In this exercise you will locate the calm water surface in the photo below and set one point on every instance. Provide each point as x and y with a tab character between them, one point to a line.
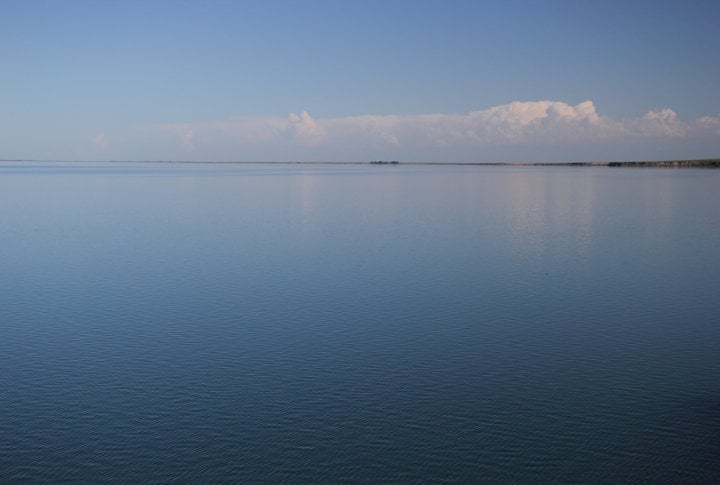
358	323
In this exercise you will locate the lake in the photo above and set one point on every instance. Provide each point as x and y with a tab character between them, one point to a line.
357	323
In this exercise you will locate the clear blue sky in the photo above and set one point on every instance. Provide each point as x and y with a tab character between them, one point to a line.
168	79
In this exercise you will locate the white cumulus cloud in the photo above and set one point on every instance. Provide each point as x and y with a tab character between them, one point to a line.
544	123
306	129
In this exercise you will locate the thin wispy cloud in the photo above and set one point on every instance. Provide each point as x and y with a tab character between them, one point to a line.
101	141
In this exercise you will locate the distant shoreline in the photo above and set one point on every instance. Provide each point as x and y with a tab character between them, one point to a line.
703	163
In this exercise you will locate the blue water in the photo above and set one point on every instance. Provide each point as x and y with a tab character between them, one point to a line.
332	323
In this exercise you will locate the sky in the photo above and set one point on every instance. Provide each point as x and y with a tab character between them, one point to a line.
341	80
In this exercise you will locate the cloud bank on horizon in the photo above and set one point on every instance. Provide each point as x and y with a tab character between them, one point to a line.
461	81
518	131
